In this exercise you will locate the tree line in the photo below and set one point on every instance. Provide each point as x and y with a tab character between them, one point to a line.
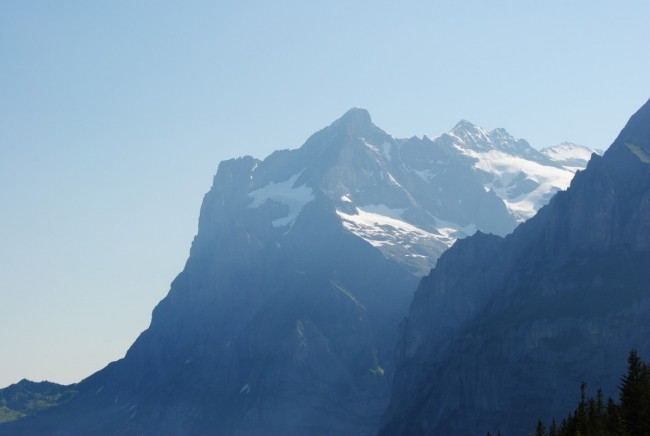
629	416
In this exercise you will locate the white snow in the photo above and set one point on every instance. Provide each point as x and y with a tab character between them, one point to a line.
506	169
452	230
383	210
372	147
566	152
393	181
384	228
285	193
470	135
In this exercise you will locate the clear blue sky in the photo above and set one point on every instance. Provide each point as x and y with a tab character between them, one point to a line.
114	116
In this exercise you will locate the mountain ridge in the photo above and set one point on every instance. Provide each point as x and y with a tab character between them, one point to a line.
512	323
283	318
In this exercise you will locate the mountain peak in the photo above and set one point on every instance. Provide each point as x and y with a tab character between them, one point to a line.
355	116
464	125
472	136
356	122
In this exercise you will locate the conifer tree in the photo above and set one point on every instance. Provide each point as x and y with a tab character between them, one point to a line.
540	430
553	430
635	396
594	417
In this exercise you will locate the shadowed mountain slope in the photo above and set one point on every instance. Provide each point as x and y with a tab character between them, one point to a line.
504	328
284	319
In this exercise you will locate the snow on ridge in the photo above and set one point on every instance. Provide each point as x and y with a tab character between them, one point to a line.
566	152
384	150
345	198
294	197
471	135
385	228
371	147
382	209
393	181
453	231
506	169
380	225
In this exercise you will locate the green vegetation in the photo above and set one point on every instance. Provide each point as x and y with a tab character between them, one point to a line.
595	417
639	152
7	414
27	398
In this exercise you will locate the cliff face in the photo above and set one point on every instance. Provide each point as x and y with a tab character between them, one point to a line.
283	320
504	329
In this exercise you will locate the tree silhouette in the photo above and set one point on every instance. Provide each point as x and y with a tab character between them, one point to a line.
595	417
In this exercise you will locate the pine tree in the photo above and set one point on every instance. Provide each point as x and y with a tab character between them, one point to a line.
594	417
613	422
581	413
540	430
635	397
553	430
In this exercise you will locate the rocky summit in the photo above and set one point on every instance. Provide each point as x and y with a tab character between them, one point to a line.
284	319
504	330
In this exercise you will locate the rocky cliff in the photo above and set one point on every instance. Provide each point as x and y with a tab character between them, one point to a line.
505	329
284	319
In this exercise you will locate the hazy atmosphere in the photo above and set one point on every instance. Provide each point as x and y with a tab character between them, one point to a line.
115	115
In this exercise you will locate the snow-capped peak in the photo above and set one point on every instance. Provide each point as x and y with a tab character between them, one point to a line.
471	136
569	154
409	198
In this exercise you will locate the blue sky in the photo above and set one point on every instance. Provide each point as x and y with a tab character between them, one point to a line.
115	115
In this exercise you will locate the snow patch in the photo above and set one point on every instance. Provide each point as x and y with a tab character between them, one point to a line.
370	146
385	228
285	193
567	152
383	210
453	231
508	172
393	181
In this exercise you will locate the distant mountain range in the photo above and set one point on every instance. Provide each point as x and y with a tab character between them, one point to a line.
504	330
284	319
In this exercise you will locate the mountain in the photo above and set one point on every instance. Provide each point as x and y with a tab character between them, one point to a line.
504	328
284	317
570	155
524	178
27	398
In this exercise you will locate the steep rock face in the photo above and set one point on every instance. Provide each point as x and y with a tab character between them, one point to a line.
284	318
503	330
